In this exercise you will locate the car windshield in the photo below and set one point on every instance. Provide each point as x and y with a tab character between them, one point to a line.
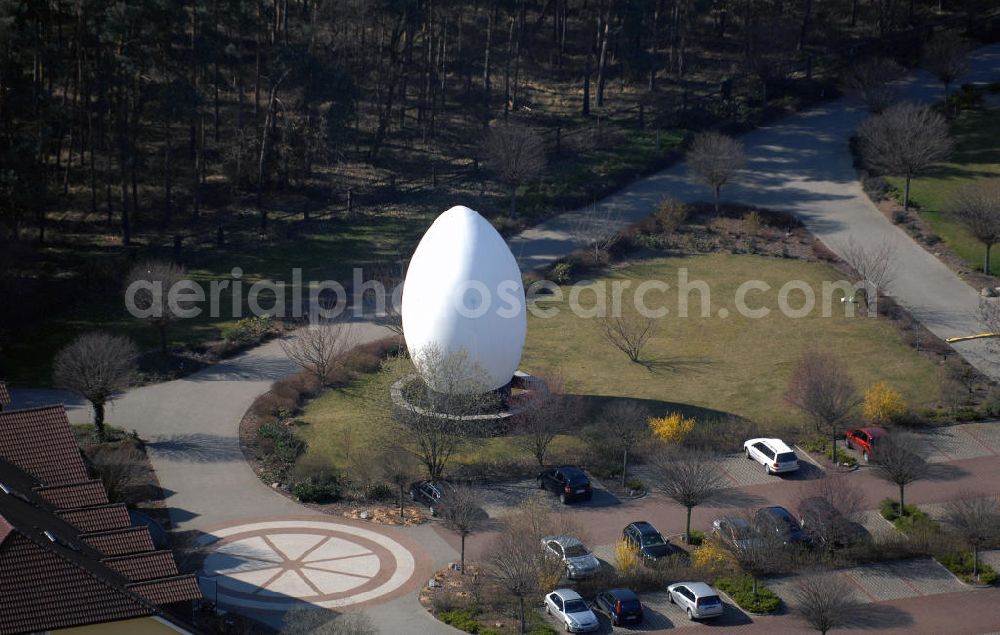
652	540
575	551
786	457
575	606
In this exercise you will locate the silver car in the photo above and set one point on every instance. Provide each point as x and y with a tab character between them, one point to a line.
577	559
696	598
572	611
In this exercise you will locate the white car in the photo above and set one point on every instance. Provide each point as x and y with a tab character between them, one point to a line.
572	611
773	454
696	598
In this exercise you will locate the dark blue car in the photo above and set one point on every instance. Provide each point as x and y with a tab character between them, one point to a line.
621	605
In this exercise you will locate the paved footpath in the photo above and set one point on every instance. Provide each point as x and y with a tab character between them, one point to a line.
801	165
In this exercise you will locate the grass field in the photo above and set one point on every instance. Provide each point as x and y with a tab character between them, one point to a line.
705	366
976	156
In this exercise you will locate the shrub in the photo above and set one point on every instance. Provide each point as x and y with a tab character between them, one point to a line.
282	444
380	492
740	588
991	405
462	619
710	556
960	563
696	537
316	468
883	404
310	491
634	484
671	213
672	429
248	330
626	556
823	446
752	222
877	188
561	273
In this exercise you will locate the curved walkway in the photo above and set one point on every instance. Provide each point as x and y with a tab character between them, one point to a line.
803	165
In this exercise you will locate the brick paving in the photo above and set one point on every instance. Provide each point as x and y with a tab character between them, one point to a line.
954	443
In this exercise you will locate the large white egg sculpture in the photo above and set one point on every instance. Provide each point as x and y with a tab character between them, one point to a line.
463	295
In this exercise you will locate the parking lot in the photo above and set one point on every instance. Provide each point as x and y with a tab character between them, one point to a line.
659	614
958	442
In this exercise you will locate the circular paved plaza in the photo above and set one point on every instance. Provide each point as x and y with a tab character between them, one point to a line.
271	565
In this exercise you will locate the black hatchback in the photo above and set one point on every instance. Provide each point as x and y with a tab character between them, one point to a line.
570	483
621	605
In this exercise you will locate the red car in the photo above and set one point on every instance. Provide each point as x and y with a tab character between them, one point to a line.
864	439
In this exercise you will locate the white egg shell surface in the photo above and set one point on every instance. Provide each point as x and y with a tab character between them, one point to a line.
463	293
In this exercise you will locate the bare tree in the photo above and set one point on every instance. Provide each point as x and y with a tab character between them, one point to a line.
897	460
517	561
689	478
975	520
825	601
309	619
119	469
624	423
947	56
319	348
516	154
875	266
754	545
821	388
390	275
596	231
436	423
545	417
629	333
905	140
96	366
871	81
398	467
149	284
977	208
715	159
462	514
989	314
826	506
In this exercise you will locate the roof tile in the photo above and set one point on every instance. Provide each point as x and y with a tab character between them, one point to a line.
121	542
102	518
40	442
75	495
4	395
160	592
41	591
144	566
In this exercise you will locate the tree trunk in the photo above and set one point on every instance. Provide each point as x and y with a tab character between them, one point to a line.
906	194
717	188
833	447
902	502
461	557
624	467
99	419
402	517
513	201
687	528
602	64
520	602
585	111
986	260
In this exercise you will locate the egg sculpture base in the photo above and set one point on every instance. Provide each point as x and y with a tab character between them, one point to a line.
519	395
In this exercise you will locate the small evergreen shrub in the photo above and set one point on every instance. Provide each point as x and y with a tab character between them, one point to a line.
740	588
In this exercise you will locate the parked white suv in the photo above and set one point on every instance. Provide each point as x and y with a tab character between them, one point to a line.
773	454
696	598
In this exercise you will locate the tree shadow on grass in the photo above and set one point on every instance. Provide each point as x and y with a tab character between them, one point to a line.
670	365
657	408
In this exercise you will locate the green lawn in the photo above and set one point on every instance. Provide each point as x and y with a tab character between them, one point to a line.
705	366
976	156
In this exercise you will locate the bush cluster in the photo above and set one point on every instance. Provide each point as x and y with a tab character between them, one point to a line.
961	565
277	442
740	588
310	491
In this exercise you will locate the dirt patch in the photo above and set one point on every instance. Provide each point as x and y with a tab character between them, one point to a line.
387	515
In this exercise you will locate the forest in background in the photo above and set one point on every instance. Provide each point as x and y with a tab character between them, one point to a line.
242	128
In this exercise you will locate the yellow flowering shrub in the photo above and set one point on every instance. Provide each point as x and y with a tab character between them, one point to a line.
671	429
883	404
626	556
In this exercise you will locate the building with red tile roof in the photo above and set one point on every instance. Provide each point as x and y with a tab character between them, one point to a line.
68	557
